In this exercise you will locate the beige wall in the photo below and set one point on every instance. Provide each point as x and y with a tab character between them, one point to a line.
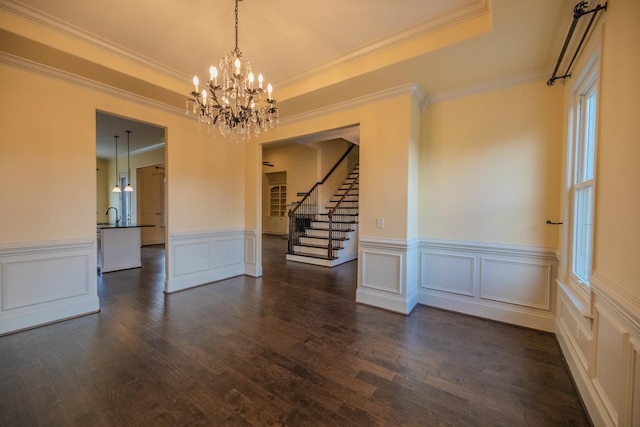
147	158
298	161
490	166
205	176
384	140
617	209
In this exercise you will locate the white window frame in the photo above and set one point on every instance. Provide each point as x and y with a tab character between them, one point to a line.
579	136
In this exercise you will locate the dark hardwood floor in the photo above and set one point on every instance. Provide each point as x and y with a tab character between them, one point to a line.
290	348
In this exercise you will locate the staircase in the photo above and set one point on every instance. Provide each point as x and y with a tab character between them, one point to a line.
328	237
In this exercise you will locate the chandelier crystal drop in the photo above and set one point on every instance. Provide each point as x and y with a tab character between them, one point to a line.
231	102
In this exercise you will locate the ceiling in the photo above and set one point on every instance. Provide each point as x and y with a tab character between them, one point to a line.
315	53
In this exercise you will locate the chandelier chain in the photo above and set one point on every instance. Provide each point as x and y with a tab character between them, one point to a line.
237	50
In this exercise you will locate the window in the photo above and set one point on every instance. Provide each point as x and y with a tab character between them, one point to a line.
582	186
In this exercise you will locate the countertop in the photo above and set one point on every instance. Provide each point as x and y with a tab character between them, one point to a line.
105	226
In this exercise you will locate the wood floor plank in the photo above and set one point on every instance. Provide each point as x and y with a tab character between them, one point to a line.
288	349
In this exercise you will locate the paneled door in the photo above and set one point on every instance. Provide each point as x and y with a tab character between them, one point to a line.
150	192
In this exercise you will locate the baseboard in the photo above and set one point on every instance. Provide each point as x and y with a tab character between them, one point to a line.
500	313
397	304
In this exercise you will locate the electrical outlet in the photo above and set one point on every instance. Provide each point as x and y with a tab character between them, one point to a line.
380	222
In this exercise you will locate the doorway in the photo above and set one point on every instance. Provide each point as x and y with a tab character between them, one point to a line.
151	207
142	148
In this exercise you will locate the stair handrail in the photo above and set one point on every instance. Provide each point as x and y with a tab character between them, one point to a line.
305	205
332	212
344	156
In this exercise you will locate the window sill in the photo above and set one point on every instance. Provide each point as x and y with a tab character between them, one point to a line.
580	300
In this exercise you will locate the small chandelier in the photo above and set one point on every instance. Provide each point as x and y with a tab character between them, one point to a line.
232	105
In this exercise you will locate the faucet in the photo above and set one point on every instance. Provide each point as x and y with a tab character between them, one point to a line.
116	209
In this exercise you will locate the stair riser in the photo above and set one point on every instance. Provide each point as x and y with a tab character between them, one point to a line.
324	234
302	250
344	204
337	244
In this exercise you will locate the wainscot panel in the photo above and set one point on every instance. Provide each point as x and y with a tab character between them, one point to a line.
385	277
46	282
508	283
602	348
251	259
204	257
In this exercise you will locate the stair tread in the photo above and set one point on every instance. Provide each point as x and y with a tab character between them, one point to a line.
325	238
314	256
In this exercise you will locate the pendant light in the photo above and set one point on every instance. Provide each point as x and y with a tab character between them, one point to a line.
128	188
116	188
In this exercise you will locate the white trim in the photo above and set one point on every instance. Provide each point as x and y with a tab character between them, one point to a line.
57	25
45	282
624	303
488	86
413	89
495	295
388	282
202	257
474	10
505	249
74	79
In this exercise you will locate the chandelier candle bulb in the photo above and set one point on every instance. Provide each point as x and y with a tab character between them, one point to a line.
213	74
235	107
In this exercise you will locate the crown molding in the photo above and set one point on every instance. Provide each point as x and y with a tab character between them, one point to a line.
25	64
414	89
50	22
475	9
488	86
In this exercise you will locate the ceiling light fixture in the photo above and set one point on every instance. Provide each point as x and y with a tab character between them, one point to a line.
128	187
116	188
234	106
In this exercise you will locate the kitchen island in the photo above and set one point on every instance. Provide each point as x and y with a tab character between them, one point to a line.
119	246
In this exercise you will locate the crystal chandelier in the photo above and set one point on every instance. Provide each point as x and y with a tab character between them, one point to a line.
232	103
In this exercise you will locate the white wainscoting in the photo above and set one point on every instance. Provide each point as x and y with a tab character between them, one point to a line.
386	274
602	348
204	257
508	283
46	282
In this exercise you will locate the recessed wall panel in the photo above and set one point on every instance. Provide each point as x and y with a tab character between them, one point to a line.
448	273
382	271
228	252
191	258
513	282
36	281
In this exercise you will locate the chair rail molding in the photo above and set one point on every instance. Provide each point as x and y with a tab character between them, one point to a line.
504	282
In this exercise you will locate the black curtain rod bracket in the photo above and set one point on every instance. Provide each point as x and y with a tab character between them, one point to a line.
579	11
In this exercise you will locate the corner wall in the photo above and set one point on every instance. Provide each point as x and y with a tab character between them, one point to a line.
599	330
490	174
